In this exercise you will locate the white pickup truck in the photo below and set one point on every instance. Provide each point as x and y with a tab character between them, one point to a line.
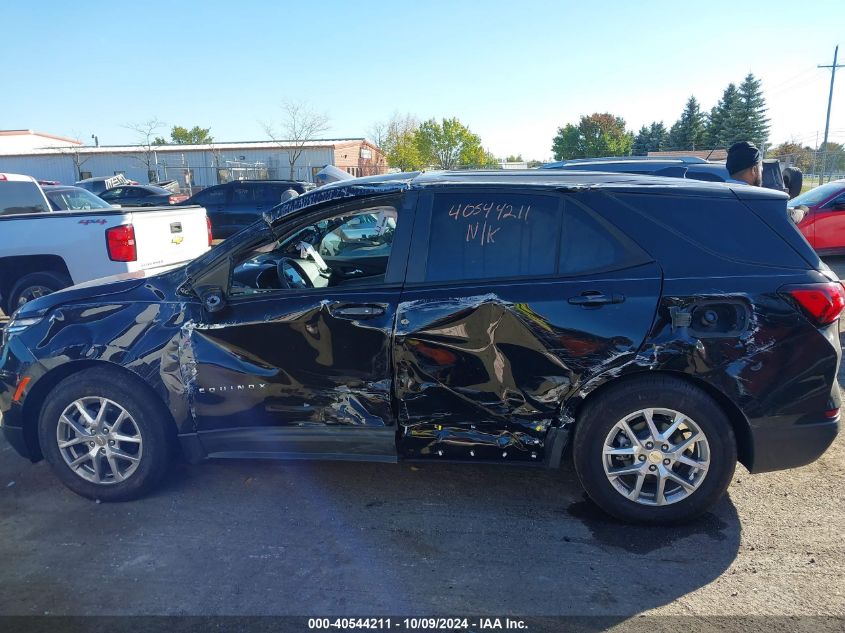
42	250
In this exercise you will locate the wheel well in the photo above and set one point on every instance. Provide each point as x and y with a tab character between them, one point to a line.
36	398
742	430
13	268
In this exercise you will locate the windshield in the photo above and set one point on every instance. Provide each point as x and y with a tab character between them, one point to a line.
75	200
814	196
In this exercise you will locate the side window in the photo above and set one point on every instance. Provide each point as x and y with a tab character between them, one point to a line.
243	194
212	196
488	235
589	244
348	249
21	197
838	203
112	194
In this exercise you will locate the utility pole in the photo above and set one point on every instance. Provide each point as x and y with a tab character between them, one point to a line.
833	68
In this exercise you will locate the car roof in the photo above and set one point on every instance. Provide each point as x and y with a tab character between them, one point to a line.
16	177
575	180
63	188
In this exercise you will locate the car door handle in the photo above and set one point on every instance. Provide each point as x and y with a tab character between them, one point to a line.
595	298
357	311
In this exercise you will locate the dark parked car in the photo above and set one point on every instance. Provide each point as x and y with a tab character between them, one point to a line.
141	196
691	167
476	316
66	198
99	184
235	205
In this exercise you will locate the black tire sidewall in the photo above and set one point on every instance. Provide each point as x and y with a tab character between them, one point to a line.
657	392
146	414
54	281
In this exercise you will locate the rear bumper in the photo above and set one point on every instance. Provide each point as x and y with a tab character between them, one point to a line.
779	444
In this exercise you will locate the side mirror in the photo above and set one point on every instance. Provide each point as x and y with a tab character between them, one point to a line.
213	300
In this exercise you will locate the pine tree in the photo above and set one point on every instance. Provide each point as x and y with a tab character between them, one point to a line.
748	120
651	138
720	126
688	131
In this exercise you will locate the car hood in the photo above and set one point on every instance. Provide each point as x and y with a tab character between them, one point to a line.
163	276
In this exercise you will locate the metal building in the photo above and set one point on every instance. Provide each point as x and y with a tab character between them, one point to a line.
194	166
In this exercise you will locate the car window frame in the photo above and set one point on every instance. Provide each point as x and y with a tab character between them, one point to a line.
405	204
418	257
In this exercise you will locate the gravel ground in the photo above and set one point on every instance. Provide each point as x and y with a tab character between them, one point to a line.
244	537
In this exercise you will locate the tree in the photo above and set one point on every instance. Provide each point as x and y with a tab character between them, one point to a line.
299	125
653	138
399	142
195	136
450	144
721	125
749	113
594	136
833	156
688	131
514	159
801	157
147	140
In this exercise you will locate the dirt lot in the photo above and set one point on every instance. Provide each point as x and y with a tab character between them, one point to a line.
365	539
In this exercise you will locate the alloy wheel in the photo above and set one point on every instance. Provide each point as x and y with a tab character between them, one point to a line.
99	440
656	457
33	292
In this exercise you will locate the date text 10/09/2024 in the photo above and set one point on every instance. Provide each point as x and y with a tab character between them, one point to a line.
418	624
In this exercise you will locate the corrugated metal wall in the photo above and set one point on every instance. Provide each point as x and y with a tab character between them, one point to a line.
170	165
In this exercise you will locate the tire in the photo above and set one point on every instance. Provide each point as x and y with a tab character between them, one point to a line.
34	285
146	422
793	179
601	422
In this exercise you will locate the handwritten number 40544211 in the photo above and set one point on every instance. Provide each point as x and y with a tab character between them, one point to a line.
499	212
493	214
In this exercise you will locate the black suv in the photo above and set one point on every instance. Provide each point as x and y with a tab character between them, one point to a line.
235	205
477	316
788	180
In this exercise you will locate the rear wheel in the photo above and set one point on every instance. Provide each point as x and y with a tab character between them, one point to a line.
654	450
36	285
102	437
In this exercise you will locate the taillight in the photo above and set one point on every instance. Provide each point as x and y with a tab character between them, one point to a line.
120	241
3	177
208	224
822	303
172	199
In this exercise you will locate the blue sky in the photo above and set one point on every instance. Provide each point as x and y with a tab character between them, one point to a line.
512	71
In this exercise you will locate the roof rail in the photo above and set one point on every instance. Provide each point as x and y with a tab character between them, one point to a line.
687	160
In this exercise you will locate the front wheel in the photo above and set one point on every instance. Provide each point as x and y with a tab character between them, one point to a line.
102	437
654	450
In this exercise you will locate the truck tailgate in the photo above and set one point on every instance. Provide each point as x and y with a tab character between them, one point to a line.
168	235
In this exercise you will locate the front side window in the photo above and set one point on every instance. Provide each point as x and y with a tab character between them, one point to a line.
212	195
75	200
481	235
344	250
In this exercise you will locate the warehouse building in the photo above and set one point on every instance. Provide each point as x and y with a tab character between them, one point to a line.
48	157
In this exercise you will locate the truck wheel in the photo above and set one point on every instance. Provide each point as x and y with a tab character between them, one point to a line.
793	179
103	437
654	450
36	285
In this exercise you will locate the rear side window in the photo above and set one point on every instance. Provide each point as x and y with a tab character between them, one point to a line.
723	227
18	197
589	244
488	235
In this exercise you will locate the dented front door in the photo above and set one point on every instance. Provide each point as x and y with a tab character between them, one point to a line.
304	375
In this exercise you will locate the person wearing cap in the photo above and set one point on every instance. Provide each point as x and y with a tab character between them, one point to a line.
745	163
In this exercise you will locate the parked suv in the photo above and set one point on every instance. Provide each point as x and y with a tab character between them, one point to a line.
473	316
235	205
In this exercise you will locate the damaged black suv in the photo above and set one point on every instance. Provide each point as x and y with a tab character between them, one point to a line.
502	317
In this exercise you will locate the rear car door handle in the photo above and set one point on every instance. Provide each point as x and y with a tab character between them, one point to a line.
357	311
593	298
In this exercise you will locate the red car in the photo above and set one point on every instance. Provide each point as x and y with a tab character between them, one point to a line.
824	224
